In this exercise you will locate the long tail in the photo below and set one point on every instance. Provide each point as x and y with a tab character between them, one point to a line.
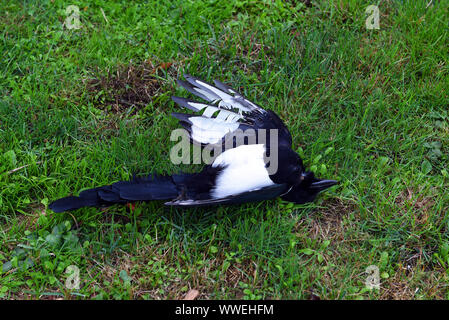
138	189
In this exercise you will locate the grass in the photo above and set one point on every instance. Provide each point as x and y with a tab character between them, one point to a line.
82	108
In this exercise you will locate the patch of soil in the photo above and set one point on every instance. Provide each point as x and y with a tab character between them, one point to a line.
328	222
127	88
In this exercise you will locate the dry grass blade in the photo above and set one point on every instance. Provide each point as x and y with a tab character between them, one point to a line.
192	294
21	167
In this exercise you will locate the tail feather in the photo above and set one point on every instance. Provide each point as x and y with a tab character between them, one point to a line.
71	203
161	188
138	189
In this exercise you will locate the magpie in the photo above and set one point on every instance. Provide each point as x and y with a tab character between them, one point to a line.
239	174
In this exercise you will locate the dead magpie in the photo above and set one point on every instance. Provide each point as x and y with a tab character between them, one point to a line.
237	175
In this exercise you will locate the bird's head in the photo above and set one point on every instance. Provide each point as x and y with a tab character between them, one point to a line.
307	188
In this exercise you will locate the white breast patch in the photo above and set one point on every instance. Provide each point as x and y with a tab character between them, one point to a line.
244	171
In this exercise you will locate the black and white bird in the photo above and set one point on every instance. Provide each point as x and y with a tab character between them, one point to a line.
239	174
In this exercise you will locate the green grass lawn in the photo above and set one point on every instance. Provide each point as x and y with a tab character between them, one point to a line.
85	107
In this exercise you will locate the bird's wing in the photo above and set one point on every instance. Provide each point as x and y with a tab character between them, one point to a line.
265	193
226	111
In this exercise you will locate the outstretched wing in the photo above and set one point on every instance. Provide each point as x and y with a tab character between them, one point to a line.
226	111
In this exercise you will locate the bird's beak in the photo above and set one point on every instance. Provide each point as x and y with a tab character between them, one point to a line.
321	185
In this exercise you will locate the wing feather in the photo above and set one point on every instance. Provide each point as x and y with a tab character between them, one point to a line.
222	104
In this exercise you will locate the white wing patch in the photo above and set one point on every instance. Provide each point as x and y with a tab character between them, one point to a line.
244	171
210	130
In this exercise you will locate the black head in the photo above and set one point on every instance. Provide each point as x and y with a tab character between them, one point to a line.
289	168
307	188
